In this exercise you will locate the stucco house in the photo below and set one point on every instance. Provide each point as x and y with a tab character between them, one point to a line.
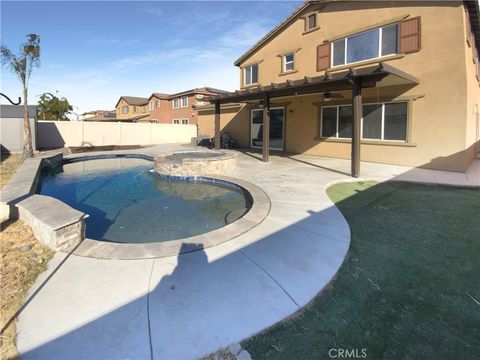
179	108
131	108
393	82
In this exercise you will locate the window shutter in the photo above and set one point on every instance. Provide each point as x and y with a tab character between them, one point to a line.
409	35
323	56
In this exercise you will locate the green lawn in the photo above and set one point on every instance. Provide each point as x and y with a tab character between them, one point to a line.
409	287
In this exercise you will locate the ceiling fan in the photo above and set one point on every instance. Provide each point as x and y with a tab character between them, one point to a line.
328	96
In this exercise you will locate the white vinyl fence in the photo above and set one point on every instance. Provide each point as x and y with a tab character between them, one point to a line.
55	134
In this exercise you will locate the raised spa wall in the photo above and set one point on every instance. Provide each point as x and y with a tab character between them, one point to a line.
218	164
54	223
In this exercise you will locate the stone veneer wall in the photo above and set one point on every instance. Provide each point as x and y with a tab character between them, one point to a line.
218	165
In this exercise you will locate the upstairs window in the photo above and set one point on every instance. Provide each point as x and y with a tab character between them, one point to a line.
144	108
176	103
158	103
125	109
288	62
250	75
184	101
366	45
135	109
151	105
311	22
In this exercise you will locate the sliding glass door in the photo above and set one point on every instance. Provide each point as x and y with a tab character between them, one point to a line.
277	128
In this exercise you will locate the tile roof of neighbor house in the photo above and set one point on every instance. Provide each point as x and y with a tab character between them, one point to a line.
203	90
159	96
471	5
133	100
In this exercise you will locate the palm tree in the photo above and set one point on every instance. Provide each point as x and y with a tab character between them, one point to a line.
22	65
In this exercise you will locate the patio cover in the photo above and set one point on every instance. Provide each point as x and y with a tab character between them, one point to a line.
354	78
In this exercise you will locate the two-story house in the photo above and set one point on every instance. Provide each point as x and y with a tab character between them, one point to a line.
179	108
131	108
394	82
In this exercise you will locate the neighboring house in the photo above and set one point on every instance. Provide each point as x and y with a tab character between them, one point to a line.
131	109
99	115
401	76
178	108
11	128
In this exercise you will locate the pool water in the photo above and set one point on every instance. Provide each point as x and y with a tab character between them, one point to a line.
128	203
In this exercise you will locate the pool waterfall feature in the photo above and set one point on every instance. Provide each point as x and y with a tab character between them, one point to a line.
215	208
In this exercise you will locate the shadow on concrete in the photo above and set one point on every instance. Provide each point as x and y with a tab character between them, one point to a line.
179	311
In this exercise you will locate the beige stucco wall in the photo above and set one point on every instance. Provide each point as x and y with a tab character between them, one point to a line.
472	133
53	134
439	135
234	120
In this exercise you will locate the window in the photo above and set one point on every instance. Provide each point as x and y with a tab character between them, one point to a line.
367	45
125	109
153	121
250	74
144	108
311	22
380	121
184	101
180	121
288	62
152	105
134	109
158	103
175	103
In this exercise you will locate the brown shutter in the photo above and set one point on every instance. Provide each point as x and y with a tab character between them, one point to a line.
409	35
323	56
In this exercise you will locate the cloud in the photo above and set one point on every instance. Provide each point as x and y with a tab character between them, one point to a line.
113	41
246	34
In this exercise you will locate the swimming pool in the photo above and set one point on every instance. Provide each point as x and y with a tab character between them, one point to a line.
128	203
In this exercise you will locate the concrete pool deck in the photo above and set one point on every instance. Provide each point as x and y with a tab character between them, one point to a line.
185	306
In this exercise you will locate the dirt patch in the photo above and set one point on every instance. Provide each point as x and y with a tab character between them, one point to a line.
8	165
23	258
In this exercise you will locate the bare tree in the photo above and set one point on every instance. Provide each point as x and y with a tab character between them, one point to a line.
22	65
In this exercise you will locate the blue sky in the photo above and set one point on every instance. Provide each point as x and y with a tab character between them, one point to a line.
94	52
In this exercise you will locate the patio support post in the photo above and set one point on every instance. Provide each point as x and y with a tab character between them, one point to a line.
217	125
266	128
357	117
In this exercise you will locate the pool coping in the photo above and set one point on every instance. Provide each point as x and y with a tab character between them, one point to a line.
134	251
30	173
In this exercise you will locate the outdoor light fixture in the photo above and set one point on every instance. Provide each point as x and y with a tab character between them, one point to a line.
260	103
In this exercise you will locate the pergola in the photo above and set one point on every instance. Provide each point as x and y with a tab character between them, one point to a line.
350	79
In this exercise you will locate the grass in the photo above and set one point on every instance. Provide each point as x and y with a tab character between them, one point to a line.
409	287
22	259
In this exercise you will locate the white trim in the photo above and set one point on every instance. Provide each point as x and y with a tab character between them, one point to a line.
382	134
151	105
380	40
251	75
178	103
186	102
283	129
284	61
